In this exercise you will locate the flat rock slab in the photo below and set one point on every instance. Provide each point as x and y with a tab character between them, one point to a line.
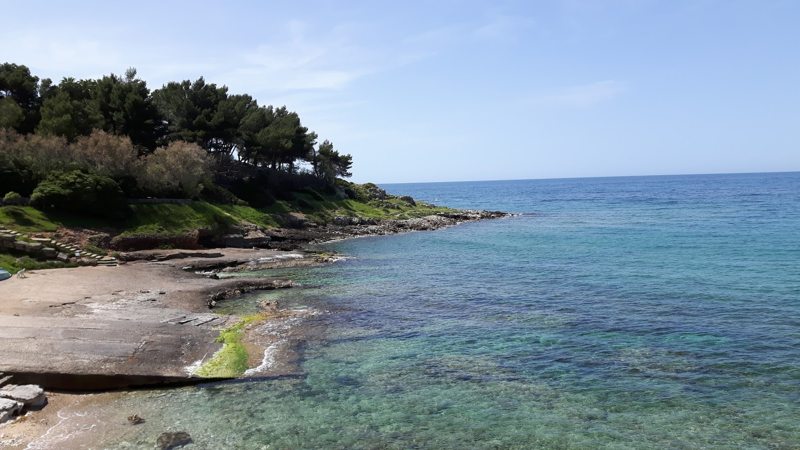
30	395
82	346
94	321
93	328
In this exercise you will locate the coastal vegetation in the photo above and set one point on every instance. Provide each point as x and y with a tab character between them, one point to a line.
187	139
189	158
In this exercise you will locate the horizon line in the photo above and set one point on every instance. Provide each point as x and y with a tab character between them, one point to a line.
593	177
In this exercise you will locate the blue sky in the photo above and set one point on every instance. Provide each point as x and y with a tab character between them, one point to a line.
462	90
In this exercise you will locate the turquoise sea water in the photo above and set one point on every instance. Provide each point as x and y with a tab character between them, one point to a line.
648	312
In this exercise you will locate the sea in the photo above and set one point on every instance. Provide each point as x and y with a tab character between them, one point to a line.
658	312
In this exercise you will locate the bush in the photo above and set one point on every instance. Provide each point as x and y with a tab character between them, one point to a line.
178	170
12	198
26	160
79	192
106	154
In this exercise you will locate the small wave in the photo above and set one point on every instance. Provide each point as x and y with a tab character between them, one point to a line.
267	361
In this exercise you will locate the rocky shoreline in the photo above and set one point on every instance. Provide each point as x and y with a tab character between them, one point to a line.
345	227
150	321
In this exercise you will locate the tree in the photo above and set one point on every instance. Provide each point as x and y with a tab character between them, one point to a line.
18	87
127	109
226	123
253	142
201	113
226	126
11	114
274	137
329	163
69	110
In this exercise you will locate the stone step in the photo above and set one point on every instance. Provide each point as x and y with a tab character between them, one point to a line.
4	379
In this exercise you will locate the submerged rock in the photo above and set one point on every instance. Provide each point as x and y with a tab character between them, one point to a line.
9	409
170	440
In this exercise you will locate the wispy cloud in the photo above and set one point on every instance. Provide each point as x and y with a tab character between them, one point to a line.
584	95
59	51
503	28
307	59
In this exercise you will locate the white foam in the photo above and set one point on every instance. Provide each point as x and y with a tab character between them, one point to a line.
267	361
195	366
286	256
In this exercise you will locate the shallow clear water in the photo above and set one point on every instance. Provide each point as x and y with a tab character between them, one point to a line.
653	312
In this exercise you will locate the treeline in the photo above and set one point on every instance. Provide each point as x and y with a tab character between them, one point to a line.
173	141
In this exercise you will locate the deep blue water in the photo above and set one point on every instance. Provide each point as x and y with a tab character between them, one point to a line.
646	312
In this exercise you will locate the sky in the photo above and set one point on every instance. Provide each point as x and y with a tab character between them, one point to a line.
463	90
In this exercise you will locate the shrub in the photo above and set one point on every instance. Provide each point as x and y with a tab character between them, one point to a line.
106	154
34	156
179	169
26	160
79	192
12	198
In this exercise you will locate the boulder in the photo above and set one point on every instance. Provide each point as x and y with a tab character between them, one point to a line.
30	395
256	238
408	200
233	240
9	409
294	220
170	440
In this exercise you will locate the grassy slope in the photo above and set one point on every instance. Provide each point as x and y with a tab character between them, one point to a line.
175	219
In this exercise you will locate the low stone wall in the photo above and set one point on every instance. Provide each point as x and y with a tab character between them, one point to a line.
150	201
36	249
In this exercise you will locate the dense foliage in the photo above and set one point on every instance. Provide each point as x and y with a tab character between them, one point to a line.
79	192
12	198
174	141
179	169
